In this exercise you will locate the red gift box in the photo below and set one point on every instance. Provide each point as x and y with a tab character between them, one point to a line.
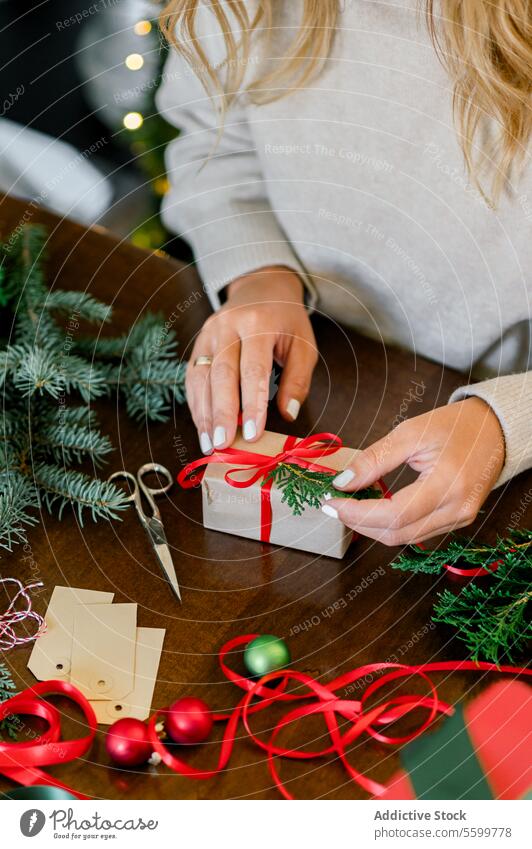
497	746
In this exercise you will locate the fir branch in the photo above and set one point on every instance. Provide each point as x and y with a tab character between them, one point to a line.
101	348
23	257
145	372
17	497
73	416
303	488
20	262
64	487
149	329
40	437
80	305
85	378
149	390
8	688
74	442
35	370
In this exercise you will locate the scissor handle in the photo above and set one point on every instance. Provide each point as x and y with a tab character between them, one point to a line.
150	493
154	468
134	495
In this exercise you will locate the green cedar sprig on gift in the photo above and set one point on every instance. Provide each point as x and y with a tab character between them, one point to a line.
491	614
304	488
49	375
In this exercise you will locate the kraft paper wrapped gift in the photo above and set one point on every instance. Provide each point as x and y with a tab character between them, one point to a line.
238	510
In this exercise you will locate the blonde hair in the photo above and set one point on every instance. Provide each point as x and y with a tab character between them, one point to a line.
485	45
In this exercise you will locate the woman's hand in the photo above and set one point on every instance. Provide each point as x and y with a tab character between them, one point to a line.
459	452
263	320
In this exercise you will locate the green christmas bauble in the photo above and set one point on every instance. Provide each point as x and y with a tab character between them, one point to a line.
266	654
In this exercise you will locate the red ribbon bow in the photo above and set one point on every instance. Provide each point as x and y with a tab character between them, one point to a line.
301	452
21	762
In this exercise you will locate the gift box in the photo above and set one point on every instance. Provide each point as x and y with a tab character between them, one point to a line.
481	752
241	496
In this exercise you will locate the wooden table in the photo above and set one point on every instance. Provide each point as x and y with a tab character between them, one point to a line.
332	618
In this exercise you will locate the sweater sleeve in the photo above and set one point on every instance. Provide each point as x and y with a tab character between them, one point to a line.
510	398
218	199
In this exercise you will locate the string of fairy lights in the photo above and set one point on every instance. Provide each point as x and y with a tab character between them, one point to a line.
148	135
134	62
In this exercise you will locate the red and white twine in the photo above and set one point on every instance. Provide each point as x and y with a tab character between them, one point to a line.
19	611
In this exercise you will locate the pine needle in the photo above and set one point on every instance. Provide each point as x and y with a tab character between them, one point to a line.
49	374
491	614
303	488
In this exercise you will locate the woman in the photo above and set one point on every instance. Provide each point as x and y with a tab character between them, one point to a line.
372	160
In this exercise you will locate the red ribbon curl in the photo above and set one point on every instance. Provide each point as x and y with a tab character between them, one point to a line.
21	762
323	699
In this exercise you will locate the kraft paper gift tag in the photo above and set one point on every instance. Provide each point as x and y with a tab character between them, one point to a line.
136	704
103	650
51	654
237	511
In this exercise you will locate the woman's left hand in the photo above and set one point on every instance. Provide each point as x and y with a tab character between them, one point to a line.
458	451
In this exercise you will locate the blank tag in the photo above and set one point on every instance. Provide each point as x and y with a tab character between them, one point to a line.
50	658
103	650
138	703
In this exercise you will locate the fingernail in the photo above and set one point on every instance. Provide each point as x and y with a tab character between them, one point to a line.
205	443
329	511
219	436
250	429
344	478
292	408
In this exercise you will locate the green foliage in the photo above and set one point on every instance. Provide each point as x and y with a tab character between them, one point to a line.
142	365
18	497
490	614
45	363
8	727
302	488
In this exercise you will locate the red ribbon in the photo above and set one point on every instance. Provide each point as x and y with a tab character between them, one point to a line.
323	699
21	762
301	452
473	571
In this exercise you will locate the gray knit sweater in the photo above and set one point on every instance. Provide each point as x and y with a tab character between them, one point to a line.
357	182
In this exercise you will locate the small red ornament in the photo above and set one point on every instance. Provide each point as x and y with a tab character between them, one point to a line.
127	742
188	721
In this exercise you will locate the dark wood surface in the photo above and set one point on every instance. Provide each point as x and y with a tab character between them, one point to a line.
233	586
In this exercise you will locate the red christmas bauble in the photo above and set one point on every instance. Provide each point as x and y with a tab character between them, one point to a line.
189	720
127	742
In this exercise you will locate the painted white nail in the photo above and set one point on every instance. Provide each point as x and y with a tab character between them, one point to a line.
329	511
250	429
292	408
219	436
205	443
344	478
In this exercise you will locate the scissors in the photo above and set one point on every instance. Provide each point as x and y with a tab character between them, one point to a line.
152	524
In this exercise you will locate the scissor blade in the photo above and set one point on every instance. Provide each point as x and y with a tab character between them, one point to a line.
165	559
158	539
